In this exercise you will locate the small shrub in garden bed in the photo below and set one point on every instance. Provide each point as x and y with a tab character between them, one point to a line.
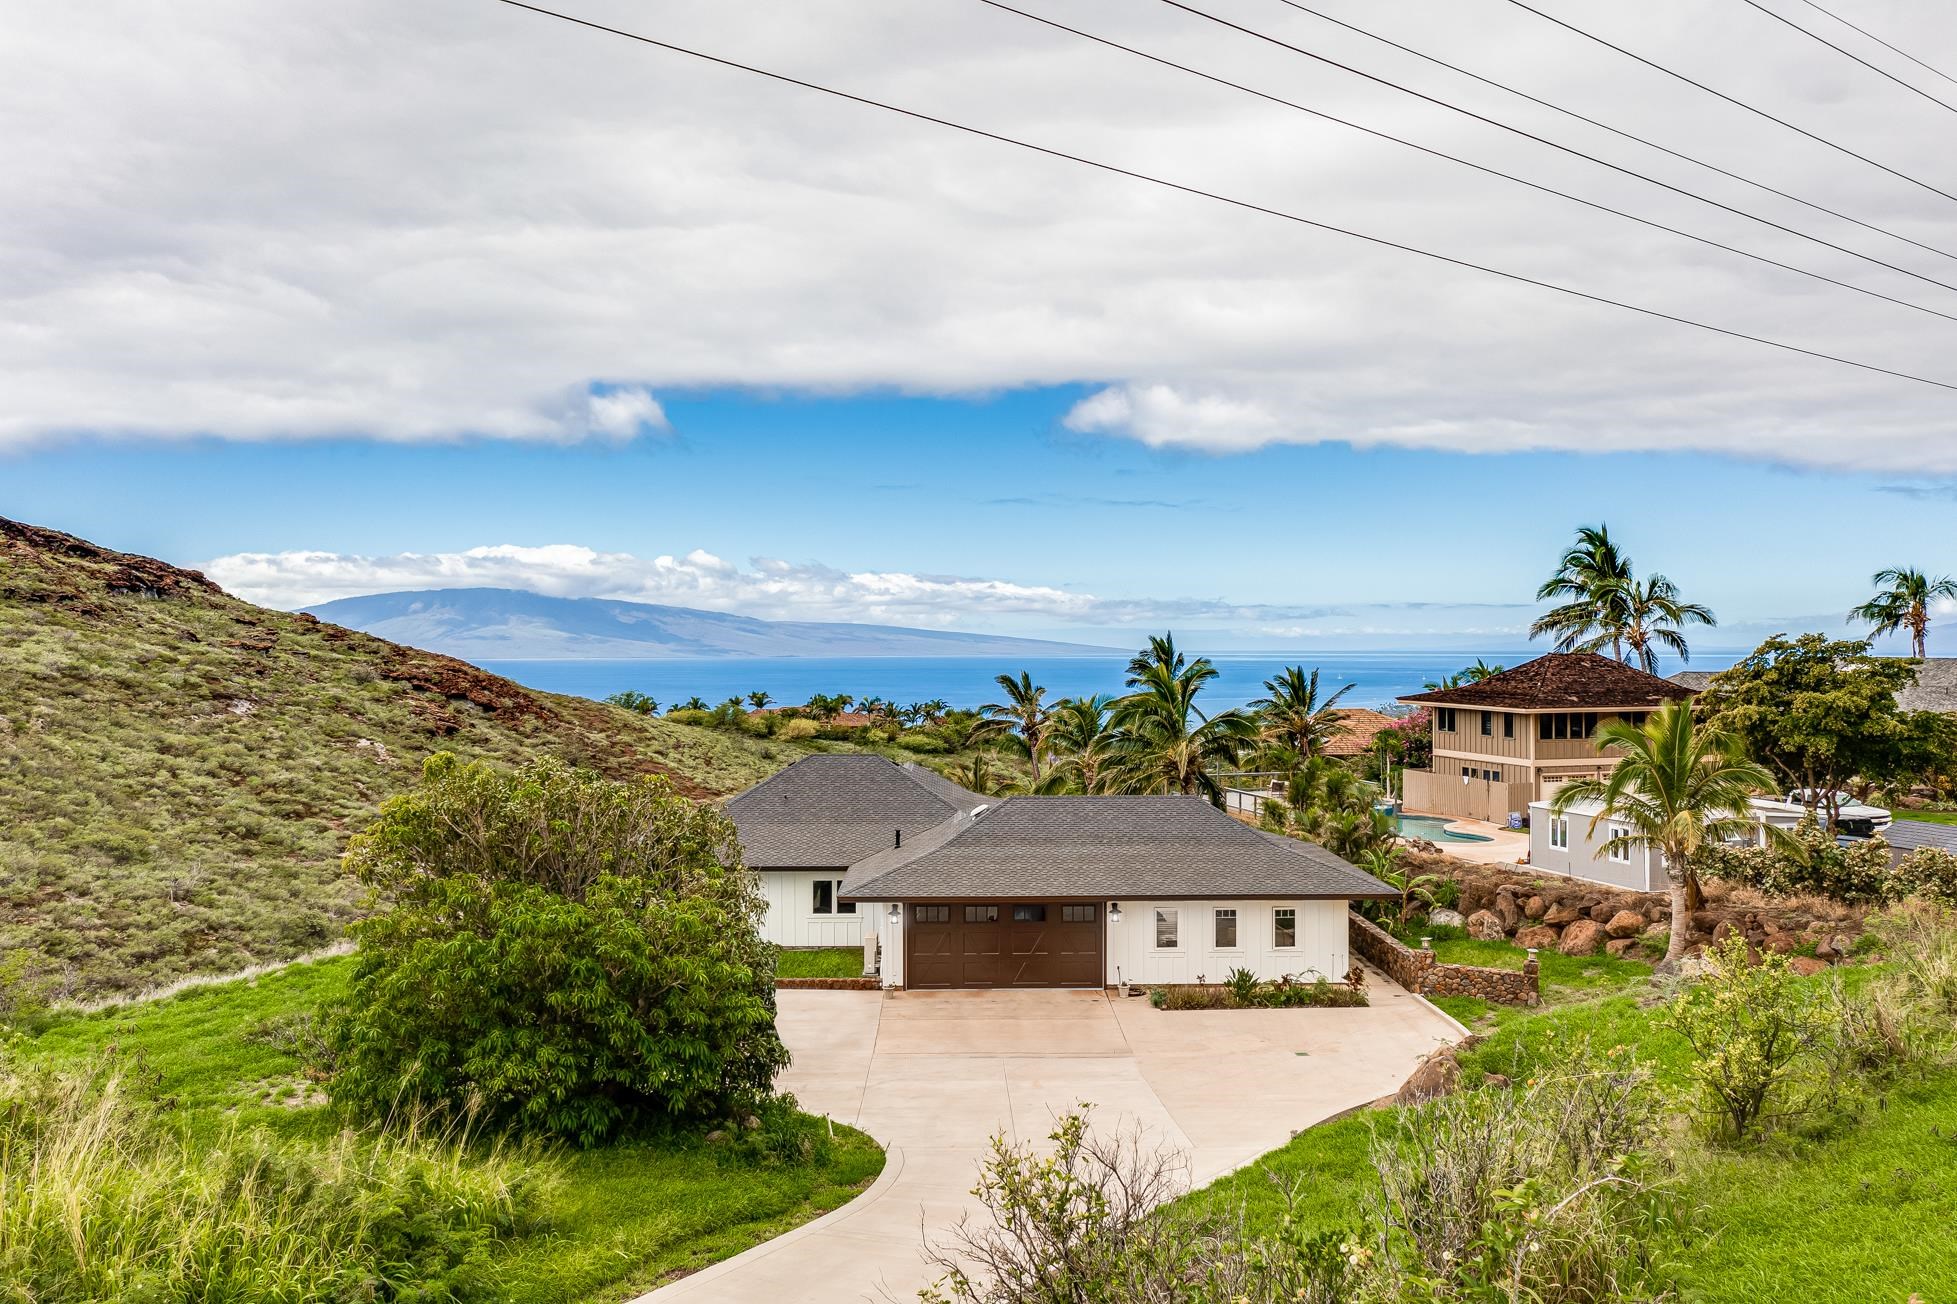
1280	995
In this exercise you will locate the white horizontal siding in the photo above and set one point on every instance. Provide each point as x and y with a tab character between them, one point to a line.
1322	949
792	920
1583	858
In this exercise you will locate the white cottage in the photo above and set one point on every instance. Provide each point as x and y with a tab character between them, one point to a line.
1070	891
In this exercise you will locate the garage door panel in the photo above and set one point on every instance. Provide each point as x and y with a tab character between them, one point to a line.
1037	944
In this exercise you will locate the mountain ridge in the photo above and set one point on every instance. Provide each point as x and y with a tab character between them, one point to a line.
499	624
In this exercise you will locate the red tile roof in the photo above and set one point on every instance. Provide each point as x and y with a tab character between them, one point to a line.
1560	681
1355	731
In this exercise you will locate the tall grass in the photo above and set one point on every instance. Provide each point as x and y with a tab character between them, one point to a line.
101	1198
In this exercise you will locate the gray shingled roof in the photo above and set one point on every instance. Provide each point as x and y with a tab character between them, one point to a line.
1905	836
1935	688
1146	847
826	812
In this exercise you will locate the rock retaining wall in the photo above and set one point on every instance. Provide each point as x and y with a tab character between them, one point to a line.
1423	973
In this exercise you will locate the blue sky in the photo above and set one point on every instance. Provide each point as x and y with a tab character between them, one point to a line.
380	296
1000	489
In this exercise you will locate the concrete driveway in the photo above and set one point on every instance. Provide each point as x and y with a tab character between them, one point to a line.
934	1075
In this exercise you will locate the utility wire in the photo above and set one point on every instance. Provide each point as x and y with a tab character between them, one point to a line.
1245	204
1908	86
1544	140
1659	67
1879	41
1453	158
1615	131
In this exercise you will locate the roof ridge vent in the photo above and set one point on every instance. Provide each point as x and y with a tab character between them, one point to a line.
981	808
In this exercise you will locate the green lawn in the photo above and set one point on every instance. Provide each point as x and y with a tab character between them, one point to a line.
1928	816
619	1220
1562	976
823	962
1864	1214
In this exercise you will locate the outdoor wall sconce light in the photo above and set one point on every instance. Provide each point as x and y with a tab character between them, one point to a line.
896	911
1426	943
1114	912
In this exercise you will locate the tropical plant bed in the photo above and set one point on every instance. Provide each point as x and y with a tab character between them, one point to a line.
225	1068
1264	996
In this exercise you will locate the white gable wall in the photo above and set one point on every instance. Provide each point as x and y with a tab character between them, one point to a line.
792	920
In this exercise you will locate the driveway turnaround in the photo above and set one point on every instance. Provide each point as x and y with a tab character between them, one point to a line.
934	1075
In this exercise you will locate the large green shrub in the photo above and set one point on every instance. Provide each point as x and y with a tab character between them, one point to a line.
1752	1028
560	952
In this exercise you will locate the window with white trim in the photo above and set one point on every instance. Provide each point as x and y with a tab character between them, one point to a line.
826	898
1559	833
1165	930
1226	930
1284	927
1620	847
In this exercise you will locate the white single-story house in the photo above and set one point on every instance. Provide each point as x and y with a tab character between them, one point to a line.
1071	891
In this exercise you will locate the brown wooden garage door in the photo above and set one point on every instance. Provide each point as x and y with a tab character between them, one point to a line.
1003	944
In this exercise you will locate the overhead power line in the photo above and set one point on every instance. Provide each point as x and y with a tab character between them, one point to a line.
1571	150
1737	103
1165	62
1244	204
1615	131
1874	68
1879	41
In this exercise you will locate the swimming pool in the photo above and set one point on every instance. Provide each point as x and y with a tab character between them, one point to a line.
1434	830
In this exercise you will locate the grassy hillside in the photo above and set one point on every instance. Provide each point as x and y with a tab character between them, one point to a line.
180	770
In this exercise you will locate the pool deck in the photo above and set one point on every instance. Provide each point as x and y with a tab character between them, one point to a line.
1504	846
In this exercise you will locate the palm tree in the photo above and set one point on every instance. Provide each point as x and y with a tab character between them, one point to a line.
1326	803
1383	863
1652	614
1161	651
1022	717
1679	786
1587	578
1292	721
1904	604
693	703
1473	674
1164	743
1078	736
759	699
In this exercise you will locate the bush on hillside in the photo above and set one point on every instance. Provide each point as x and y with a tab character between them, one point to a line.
1928	872
1557	1192
1753	1029
1807	861
562	953
798	730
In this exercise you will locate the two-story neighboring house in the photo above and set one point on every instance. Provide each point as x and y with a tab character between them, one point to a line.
1513	738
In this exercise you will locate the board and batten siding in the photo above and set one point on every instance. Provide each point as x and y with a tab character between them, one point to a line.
1133	957
791	919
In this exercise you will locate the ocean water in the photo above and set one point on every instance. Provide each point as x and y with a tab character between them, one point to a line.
1379	677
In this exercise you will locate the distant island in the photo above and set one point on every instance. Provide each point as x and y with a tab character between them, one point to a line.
516	625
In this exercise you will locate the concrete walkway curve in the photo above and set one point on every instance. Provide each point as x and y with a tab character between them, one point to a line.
934	1075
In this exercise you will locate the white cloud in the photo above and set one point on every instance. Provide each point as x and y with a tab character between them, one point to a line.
454	219
1161	415
623	413
781	590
